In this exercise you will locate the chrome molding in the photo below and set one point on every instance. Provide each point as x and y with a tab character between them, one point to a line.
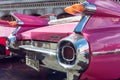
89	10
20	22
10	41
46	56
117	51
16	30
81	24
12	38
43	51
39	44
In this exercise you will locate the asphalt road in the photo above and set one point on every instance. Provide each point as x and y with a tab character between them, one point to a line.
13	69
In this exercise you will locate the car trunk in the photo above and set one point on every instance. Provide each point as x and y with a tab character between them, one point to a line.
50	33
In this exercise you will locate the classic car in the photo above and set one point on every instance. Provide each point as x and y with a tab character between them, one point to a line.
86	50
16	23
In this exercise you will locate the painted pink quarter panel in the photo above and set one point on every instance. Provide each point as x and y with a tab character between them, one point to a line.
103	32
6	31
5	28
31	21
103	35
104	67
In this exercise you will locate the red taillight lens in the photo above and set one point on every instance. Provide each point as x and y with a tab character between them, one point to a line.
68	53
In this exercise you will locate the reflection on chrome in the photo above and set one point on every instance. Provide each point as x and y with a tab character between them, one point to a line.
70	55
39	44
79	61
11	40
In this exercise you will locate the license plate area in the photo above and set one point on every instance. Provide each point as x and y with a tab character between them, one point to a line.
31	61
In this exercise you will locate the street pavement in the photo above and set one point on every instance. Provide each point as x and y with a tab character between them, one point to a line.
14	69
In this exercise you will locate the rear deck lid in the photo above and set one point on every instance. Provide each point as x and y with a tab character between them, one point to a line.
50	33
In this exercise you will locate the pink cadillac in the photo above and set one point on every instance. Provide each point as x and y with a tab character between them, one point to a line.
17	24
86	50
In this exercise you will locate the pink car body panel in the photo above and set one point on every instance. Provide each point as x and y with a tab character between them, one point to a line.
6	30
29	22
103	35
50	33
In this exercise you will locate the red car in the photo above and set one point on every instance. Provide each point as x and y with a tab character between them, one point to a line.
87	50
17	24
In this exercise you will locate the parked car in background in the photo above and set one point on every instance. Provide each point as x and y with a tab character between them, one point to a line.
86	50
16	23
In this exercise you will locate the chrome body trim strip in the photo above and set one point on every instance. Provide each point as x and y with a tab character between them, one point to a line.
47	52
81	24
12	38
89	10
117	51
46	56
16	30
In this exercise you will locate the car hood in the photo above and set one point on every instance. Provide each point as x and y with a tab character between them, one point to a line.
50	33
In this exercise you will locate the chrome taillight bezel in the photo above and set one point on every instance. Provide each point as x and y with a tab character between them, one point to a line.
81	49
60	53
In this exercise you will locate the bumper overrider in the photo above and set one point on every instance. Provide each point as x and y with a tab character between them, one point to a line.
71	55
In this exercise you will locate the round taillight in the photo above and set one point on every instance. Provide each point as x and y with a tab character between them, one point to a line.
68	53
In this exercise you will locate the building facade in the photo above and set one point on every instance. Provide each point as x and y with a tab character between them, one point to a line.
31	7
36	7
